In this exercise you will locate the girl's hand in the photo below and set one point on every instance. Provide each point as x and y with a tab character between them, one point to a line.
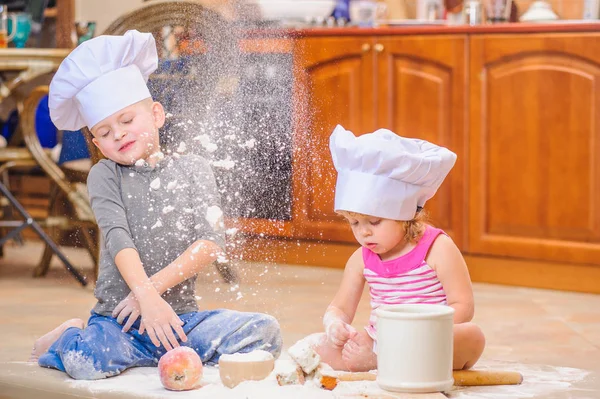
127	307
338	332
159	320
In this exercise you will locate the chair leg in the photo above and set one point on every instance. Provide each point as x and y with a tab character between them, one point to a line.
227	273
29	222
44	264
4	204
7	212
3	231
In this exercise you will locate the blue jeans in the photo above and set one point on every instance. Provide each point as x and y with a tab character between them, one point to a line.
102	350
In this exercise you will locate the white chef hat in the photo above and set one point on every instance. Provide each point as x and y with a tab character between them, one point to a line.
382	174
100	77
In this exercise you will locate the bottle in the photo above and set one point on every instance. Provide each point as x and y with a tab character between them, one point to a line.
473	12
591	9
341	10
4	26
430	10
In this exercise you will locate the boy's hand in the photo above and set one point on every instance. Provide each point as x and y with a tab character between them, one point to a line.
127	307
159	320
338	332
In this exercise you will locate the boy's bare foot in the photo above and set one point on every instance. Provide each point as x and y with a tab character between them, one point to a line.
43	343
358	353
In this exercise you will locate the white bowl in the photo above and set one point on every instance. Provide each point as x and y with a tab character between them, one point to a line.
539	11
300	10
240	367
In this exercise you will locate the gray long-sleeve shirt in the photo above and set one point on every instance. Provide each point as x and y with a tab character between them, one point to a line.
157	211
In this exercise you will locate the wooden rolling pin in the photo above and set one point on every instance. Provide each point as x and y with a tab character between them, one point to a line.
464	378
468	378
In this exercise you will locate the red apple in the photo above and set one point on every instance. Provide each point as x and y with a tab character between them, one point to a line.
180	369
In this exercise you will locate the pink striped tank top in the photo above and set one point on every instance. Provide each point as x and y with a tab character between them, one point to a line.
406	279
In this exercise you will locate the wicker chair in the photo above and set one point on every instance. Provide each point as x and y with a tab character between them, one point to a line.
154	16
13	216
19	70
193	51
68	187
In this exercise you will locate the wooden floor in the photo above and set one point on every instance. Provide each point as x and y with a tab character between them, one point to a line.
556	333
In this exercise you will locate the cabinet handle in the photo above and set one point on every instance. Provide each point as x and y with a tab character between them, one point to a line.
365	47
378	47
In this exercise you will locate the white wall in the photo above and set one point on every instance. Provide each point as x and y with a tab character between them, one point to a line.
103	12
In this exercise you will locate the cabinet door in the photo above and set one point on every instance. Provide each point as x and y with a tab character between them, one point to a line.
535	145
421	94
335	76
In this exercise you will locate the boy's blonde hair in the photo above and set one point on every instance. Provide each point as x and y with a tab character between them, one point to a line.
413	229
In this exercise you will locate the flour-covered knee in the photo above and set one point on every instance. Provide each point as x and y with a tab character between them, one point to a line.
83	364
247	332
269	332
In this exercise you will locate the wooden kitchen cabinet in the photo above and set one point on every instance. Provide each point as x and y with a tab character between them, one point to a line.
421	93
522	112
534	143
336	76
412	85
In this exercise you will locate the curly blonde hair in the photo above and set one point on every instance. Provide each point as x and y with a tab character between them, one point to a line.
413	229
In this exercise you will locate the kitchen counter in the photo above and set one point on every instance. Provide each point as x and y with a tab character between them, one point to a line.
566	26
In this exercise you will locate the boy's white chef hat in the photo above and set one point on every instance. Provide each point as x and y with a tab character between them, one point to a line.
382	174
100	77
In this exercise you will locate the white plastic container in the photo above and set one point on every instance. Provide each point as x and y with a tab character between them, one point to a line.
415	347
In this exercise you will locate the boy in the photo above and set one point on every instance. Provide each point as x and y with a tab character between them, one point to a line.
152	212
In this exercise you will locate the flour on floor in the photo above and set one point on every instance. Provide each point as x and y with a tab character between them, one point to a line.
539	381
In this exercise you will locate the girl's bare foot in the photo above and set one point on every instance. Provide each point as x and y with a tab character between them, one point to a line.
329	353
43	343
358	353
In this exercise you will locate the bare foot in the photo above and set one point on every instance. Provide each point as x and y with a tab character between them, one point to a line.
330	354
358	353
43	343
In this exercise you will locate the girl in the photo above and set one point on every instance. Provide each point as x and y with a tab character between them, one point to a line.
383	182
